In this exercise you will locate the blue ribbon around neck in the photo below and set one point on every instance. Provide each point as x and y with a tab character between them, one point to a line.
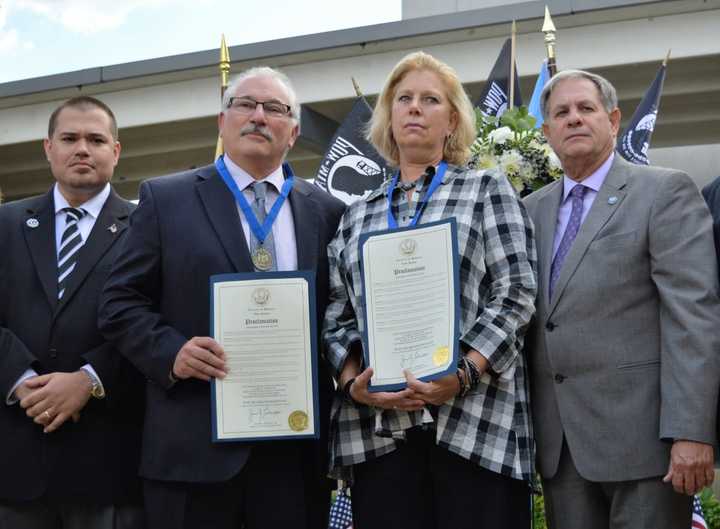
436	181
260	231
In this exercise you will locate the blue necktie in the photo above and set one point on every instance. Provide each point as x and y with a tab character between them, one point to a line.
260	190
571	230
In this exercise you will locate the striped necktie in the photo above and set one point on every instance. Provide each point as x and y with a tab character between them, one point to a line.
258	207
70	244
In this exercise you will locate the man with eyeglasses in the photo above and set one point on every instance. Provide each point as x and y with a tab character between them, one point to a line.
156	306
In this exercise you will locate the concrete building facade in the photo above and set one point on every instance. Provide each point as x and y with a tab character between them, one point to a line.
167	107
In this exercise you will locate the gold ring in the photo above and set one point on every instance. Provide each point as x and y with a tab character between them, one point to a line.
47	414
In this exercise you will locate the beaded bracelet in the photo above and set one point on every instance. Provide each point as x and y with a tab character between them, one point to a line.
468	375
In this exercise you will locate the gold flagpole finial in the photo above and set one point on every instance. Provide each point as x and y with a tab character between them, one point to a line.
511	77
356	86
667	57
224	67
549	29
548	23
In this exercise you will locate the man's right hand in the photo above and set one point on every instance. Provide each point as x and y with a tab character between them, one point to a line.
201	357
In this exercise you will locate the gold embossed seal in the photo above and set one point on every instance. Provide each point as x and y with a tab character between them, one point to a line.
441	355
298	421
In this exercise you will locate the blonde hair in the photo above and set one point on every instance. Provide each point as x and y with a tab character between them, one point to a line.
457	146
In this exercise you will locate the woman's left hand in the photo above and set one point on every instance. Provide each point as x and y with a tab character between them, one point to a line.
435	392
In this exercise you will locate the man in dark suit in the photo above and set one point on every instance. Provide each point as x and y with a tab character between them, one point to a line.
72	415
624	347
187	228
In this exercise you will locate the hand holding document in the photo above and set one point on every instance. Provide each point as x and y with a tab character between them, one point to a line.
410	288
266	325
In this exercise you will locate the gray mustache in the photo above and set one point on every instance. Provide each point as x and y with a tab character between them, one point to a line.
251	128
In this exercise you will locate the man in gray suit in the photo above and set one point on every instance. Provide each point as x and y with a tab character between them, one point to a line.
624	349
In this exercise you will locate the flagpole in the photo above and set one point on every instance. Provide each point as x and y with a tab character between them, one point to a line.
549	29
513	31
356	86
224	67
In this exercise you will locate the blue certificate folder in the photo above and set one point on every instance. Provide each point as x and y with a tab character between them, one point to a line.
455	342
309	277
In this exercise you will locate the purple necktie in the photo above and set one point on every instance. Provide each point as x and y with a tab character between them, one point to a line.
571	230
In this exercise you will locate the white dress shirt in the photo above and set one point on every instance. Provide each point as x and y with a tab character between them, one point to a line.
283	229
85	226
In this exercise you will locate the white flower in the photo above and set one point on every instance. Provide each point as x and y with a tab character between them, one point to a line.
537	146
554	161
527	171
510	162
501	135
487	161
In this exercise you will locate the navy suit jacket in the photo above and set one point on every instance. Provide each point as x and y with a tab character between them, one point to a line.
96	458
186	229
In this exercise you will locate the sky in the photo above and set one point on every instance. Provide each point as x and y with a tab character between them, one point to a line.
45	37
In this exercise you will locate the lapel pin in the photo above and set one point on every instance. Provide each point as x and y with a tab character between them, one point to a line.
32	223
612	200
112	228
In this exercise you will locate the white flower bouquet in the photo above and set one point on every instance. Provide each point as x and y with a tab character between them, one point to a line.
512	144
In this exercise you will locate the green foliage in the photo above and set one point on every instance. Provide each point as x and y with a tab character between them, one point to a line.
711	508
538	521
518	120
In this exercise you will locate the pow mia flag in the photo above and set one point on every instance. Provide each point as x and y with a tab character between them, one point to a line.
634	142
351	168
495	95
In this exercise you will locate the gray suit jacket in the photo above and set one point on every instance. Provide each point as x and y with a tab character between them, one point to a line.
624	357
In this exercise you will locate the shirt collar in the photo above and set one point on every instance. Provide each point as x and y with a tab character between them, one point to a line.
92	206
243	179
594	181
450	173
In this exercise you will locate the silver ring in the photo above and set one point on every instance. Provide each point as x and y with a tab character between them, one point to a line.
47	414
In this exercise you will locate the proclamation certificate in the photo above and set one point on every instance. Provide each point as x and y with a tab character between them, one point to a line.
265	322
411	296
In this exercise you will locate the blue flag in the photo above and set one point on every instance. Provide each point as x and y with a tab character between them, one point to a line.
634	142
493	100
534	107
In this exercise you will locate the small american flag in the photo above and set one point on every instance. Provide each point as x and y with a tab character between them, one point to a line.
341	511
698	520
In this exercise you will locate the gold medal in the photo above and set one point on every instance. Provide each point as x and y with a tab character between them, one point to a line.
262	259
441	356
298	421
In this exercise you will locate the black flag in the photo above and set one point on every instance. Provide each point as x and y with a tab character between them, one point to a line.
495	96
351	168
634	142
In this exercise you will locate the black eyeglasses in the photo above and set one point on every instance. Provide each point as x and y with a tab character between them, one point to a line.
247	105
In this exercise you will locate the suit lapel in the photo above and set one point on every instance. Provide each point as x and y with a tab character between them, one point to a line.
39	229
305	219
609	198
547	209
222	211
111	222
